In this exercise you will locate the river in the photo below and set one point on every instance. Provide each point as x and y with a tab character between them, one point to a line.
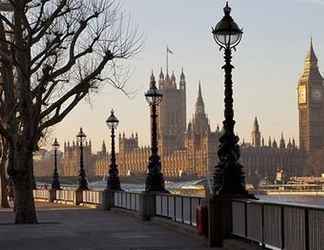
188	185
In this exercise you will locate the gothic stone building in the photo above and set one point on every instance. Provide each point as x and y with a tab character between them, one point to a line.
311	113
192	149
184	150
262	161
71	162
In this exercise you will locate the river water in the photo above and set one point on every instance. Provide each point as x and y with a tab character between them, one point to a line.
299	199
173	186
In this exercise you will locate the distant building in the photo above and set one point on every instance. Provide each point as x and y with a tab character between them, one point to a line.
192	150
44	162
311	105
71	162
172	113
101	163
184	151
263	161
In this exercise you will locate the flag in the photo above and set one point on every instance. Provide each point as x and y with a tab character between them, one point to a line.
169	51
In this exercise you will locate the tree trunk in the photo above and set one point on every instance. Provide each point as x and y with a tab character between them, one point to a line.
24	201
3	180
4	194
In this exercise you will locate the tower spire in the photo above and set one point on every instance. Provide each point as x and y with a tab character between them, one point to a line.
182	76
256	135
311	53
161	74
282	141
256	124
310	64
103	148
200	106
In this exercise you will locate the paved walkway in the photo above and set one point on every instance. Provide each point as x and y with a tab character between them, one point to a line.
90	229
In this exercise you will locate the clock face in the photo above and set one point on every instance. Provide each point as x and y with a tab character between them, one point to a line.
316	95
302	94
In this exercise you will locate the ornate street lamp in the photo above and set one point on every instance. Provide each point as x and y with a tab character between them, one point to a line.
83	183
113	182
154	181
229	178
56	181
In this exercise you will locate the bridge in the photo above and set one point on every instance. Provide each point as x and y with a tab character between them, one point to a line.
126	220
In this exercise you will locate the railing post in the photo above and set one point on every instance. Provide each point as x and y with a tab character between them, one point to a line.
262	226
246	219
78	197
51	195
306	229
282	227
168	212
147	205
175	208
215	222
190	204
162	205
182	219
108	199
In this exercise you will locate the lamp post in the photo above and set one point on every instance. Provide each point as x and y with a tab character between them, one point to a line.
154	181
83	183
229	178
113	182
56	181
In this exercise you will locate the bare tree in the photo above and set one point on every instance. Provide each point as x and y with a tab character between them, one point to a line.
3	179
54	53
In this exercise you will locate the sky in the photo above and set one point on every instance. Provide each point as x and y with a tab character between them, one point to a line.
268	63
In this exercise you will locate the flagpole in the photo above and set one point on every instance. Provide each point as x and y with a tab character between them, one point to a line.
167	60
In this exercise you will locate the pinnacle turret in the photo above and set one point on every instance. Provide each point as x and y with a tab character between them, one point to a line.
103	147
282	143
274	144
256	134
152	79
200	106
182	76
173	80
289	145
256	125
161	75
182	82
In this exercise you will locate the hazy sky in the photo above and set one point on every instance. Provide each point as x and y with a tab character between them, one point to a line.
268	63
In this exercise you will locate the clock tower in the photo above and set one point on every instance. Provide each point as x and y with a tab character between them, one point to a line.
311	105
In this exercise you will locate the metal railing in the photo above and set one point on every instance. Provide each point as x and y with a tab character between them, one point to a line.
181	209
279	225
66	196
41	194
127	200
92	197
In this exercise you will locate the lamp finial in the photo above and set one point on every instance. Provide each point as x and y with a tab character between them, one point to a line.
227	9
